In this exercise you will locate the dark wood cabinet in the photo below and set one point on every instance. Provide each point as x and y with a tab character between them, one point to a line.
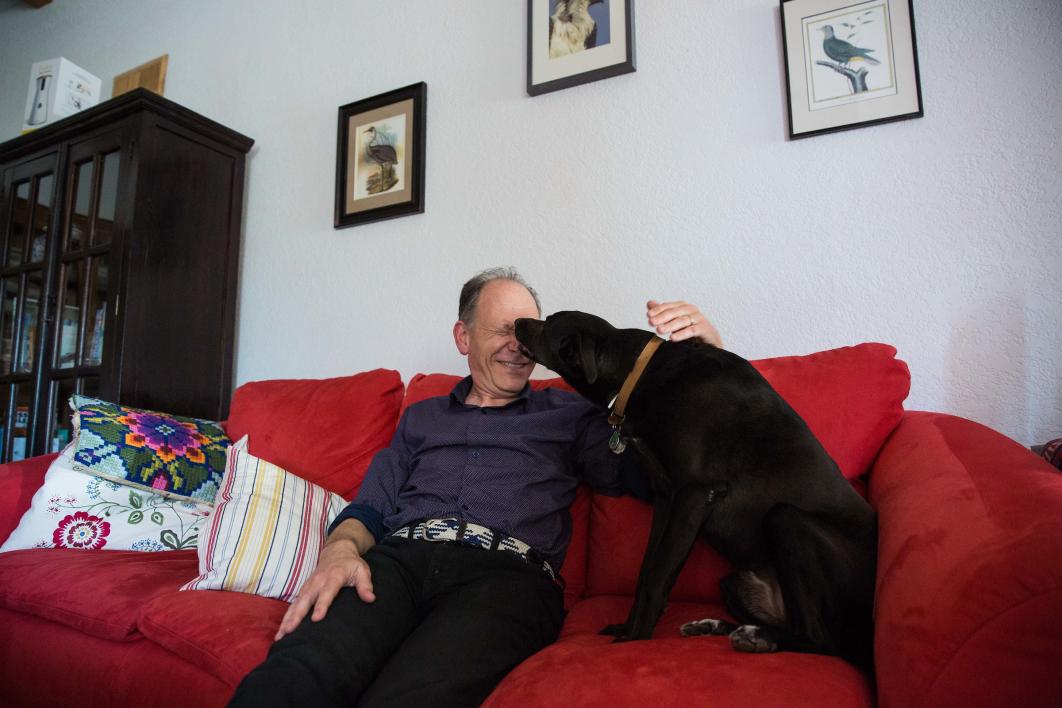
119	255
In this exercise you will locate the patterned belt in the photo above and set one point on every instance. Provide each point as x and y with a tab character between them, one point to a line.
476	536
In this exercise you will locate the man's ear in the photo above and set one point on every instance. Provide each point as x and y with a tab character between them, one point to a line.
461	337
589	356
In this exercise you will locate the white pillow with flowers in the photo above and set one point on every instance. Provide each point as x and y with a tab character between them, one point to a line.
73	509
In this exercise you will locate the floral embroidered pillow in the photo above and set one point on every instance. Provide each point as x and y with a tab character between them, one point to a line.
171	455
77	510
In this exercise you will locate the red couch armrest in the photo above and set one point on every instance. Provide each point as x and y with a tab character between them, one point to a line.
969	591
19	481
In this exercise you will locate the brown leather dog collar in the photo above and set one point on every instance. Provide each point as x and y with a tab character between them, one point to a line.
619	406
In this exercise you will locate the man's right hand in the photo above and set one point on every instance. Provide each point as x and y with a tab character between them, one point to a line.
340	565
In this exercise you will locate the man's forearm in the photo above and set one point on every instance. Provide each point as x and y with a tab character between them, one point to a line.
354	531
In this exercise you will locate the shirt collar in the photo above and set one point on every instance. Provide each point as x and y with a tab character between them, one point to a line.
460	392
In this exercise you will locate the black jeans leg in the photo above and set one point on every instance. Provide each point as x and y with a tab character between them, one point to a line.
331	662
448	623
486	611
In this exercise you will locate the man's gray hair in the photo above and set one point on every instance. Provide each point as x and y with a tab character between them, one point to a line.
470	291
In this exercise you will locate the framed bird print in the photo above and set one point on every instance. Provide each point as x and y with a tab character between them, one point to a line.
572	42
849	64
380	157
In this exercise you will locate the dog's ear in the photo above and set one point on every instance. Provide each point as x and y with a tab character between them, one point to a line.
589	356
577	353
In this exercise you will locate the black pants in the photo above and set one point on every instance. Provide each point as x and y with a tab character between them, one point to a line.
449	622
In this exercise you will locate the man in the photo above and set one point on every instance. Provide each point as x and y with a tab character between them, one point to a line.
391	616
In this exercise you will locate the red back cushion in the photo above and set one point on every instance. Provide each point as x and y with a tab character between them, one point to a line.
423	386
323	430
19	481
619	533
851	398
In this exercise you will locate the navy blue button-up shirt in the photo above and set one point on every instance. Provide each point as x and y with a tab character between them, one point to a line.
513	468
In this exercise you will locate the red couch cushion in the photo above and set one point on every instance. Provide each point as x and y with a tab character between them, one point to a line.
19	481
224	633
619	533
323	430
582	667
423	386
96	592
47	664
851	398
968	609
574	569
591	615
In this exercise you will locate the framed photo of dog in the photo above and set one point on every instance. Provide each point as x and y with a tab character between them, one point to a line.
572	42
380	157
849	64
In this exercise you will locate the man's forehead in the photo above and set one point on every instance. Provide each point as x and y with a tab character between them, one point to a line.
507	321
506	300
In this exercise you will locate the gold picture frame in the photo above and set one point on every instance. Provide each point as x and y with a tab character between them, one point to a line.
150	75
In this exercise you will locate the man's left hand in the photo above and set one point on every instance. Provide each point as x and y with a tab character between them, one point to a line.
682	321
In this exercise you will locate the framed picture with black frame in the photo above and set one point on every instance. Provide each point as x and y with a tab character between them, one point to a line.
572	42
849	64
380	157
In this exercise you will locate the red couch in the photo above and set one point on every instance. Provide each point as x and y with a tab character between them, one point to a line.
968	607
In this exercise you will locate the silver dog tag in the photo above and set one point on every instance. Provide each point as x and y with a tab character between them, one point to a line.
615	443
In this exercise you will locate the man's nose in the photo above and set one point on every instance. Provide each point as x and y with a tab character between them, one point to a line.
514	346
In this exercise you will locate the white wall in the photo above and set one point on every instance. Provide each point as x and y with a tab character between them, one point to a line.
939	235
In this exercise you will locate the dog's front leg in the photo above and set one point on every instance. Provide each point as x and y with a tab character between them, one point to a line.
677	532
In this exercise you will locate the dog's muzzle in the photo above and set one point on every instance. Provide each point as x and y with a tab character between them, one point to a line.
528	330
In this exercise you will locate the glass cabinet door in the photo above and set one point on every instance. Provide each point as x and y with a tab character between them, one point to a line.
83	283
28	214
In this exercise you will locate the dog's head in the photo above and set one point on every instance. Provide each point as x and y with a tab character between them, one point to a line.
589	353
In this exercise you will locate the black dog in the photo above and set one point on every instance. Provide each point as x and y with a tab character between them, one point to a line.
731	461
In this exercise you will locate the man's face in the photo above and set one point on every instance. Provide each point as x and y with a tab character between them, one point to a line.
499	370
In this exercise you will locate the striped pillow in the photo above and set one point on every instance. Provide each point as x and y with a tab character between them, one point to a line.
266	530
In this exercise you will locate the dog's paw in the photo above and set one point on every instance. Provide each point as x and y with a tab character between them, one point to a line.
615	630
749	637
711	627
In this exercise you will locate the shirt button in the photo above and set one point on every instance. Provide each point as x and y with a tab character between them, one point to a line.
475	453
